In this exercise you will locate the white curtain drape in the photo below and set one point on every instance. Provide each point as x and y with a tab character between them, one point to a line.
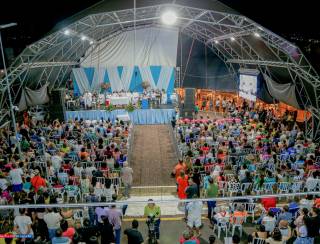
283	92
126	77
98	78
146	75
154	46
81	79
115	81
164	78
33	97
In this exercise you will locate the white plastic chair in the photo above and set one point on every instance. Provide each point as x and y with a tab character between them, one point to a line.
283	187
258	241
245	187
73	194
268	187
78	214
233	187
250	208
297	186
223	187
222	224
237	223
101	180
116	182
311	185
63	178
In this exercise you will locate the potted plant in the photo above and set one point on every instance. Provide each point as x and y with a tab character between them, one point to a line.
110	108
130	108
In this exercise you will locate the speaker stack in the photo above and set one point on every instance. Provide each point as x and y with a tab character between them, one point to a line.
57	107
187	111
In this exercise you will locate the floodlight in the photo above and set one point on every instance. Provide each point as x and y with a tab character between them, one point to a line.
83	38
216	41
256	34
169	17
232	39
67	32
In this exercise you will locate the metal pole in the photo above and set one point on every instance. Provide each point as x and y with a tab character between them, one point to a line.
10	99
120	203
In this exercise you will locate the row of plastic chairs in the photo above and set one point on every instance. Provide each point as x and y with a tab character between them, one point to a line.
282	187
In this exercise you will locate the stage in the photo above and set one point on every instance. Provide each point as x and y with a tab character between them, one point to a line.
138	116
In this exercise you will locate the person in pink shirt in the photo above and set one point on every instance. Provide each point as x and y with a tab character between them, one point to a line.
66	230
188	238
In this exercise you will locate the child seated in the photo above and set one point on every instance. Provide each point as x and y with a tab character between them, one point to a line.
27	185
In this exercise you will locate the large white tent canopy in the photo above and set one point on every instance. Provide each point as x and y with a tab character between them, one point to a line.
143	47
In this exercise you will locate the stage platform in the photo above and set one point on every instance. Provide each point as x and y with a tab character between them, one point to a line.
138	116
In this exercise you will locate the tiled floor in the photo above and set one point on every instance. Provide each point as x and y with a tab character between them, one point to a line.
153	156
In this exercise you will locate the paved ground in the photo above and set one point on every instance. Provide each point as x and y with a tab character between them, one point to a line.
171	229
153	156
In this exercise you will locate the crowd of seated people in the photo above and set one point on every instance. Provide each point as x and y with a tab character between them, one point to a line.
62	162
254	153
90	100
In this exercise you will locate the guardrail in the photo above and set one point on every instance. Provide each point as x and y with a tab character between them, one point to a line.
131	140
121	203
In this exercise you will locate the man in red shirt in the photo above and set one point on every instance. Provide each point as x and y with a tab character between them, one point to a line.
181	166
270	202
37	181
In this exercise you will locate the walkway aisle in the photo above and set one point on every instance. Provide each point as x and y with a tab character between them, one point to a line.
153	157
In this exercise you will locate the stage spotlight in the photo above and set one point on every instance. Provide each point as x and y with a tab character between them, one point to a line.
83	38
216	41
169	17
67	32
256	34
232	39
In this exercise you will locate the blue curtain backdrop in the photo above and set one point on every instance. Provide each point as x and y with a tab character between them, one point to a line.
136	79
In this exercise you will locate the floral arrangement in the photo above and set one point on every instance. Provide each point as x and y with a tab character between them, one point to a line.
110	108
130	107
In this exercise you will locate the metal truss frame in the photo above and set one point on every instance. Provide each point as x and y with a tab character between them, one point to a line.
51	59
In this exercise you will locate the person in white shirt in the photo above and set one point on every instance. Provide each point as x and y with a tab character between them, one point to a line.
217	105
194	210
22	223
52	220
3	183
16	178
126	177
78	169
56	161
269	221
90	169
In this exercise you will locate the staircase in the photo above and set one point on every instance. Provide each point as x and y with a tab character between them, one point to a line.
153	156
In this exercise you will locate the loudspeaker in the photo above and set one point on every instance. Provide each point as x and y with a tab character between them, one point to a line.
57	107
187	111
189	97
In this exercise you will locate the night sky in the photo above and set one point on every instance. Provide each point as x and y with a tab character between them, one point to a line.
36	18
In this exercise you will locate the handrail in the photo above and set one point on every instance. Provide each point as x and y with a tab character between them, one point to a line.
131	140
121	203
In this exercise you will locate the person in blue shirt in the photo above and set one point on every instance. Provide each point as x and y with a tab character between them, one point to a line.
285	215
59	239
27	185
270	178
